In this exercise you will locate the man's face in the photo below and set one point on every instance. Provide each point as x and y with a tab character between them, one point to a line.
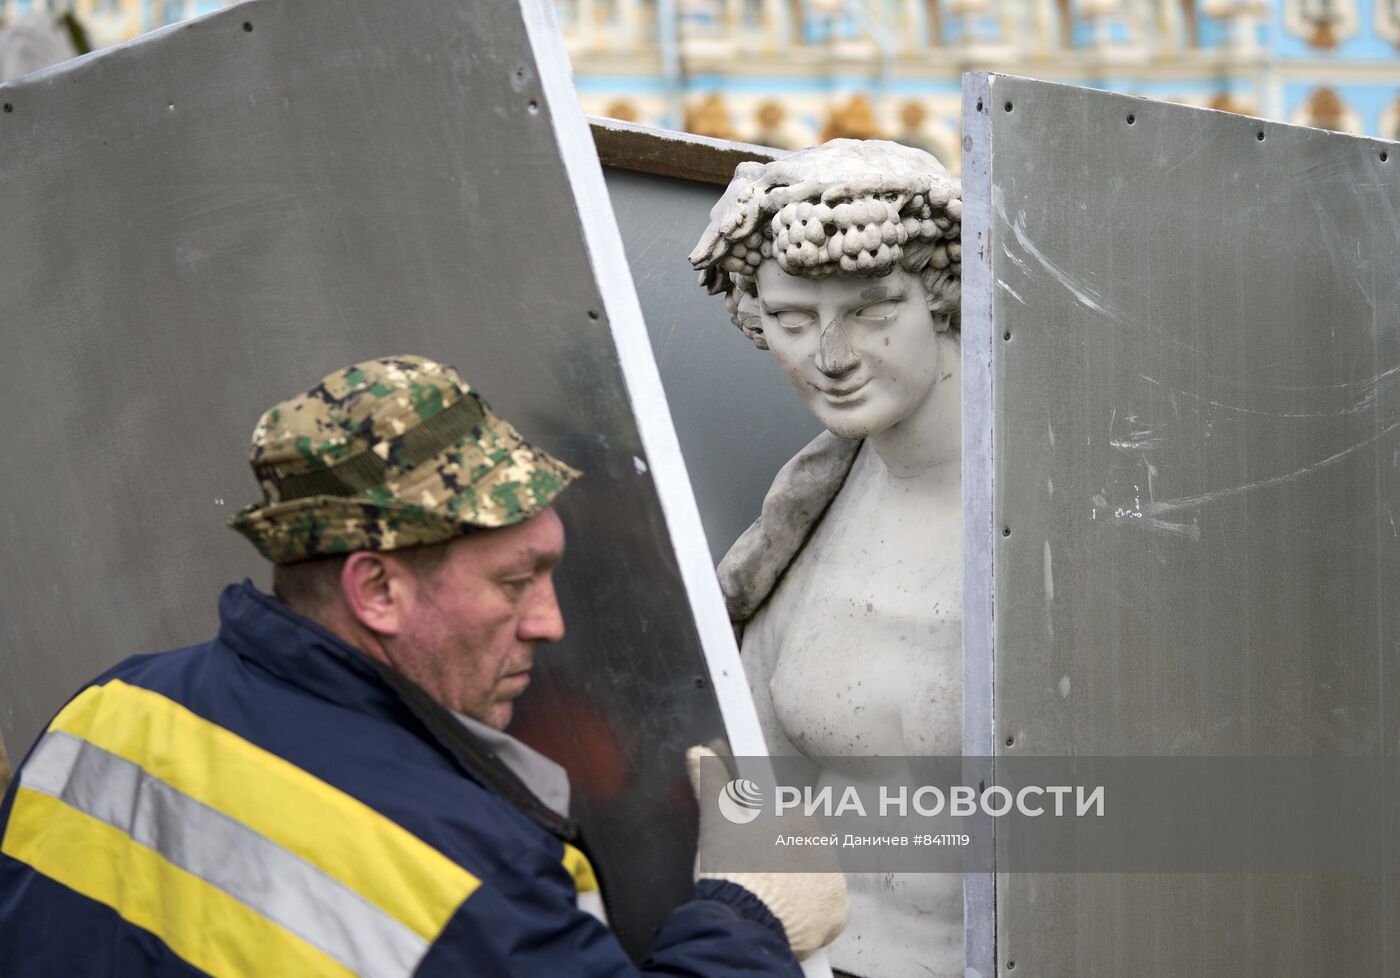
862	352
471	627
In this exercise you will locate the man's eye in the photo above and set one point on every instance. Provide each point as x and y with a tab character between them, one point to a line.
793	319
517	585
883	309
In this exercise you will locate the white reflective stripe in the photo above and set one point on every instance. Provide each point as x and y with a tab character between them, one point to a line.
591	902
226	854
52	764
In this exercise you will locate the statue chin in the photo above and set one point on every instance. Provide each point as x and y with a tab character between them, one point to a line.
878	410
848	427
874	413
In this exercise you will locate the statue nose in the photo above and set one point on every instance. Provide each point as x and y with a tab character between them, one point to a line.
835	356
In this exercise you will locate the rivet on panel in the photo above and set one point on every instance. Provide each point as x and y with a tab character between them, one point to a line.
1385	155
1131	118
533	107
1006	531
9	107
248	26
1259	135
979	105
1007	106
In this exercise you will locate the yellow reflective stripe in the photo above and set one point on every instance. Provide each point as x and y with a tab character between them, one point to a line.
580	869
198	922
343	837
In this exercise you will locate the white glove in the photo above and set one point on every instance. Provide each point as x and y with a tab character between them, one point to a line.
812	907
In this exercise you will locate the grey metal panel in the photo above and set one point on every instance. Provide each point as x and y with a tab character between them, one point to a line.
205	221
1195	358
979	539
737	417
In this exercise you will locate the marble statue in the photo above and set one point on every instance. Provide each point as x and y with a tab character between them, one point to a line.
843	261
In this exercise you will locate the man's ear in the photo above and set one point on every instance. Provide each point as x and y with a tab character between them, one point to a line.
375	588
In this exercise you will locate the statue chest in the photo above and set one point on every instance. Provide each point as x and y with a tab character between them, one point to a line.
867	623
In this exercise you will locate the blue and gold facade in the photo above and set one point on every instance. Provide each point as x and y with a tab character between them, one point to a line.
791	72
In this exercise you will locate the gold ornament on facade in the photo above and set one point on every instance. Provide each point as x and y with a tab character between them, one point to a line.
854	120
1325	110
709	117
1324	18
623	110
1225	102
912	117
770	116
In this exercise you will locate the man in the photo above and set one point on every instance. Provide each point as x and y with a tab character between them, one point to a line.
324	788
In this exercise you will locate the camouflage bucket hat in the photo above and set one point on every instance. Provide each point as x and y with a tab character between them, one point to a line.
389	453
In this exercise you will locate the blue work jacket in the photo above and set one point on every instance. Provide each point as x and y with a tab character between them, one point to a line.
273	803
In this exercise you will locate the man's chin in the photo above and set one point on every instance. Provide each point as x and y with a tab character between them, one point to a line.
499	711
499	715
496	714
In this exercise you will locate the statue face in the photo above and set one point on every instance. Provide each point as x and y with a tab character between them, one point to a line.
862	352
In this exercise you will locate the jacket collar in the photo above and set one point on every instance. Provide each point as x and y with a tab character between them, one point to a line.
298	651
295	649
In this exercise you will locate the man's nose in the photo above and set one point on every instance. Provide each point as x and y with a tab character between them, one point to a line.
542	621
834	355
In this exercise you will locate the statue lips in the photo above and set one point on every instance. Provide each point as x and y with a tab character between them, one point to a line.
847	394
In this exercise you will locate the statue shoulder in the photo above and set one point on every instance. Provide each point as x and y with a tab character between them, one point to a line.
801	492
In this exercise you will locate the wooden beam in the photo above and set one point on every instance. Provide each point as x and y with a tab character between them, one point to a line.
667	153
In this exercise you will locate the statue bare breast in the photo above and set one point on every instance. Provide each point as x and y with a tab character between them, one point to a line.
859	653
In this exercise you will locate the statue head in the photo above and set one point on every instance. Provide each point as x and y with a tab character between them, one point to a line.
843	260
